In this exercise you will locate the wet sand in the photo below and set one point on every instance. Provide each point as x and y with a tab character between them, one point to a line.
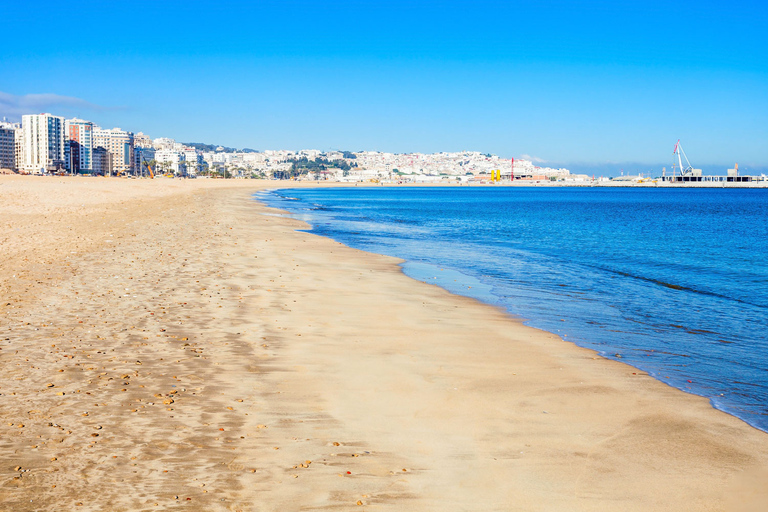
163	345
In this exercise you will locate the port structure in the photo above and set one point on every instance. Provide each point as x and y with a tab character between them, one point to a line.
680	153
689	175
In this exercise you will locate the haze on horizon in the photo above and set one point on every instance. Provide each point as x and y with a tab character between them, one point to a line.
592	84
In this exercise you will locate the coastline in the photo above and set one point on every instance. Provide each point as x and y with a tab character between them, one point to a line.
580	287
302	349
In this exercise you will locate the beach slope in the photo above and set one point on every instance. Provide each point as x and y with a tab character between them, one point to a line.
165	344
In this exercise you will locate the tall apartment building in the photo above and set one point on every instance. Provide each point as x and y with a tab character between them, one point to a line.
79	134
7	146
44	146
119	145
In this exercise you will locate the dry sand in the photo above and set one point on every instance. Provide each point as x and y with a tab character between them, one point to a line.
163	345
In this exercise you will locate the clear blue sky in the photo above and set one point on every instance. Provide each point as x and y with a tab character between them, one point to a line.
579	83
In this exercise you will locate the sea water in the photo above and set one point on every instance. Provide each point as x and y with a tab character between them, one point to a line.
671	281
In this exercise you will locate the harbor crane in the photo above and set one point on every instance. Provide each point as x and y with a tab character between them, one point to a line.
684	171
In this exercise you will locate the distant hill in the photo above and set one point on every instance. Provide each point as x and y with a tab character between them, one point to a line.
212	148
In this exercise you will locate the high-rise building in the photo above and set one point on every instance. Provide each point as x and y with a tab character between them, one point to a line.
119	145
7	146
44	147
79	134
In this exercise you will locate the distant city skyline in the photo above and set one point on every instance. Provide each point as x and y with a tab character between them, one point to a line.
590	85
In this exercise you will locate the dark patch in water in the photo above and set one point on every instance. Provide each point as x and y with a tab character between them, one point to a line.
679	287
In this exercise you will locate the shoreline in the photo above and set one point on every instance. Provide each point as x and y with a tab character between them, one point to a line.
481	293
287	350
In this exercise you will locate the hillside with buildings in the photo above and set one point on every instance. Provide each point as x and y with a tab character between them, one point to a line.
49	144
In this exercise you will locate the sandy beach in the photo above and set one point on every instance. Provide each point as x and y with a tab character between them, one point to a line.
164	344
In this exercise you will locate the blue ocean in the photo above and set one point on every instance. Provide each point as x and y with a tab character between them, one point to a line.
671	281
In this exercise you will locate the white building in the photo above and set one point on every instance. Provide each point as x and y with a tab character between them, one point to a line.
44	147
79	135
311	154
214	159
167	143
169	160
193	160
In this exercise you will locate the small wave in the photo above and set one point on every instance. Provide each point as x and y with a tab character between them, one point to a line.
678	287
693	331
